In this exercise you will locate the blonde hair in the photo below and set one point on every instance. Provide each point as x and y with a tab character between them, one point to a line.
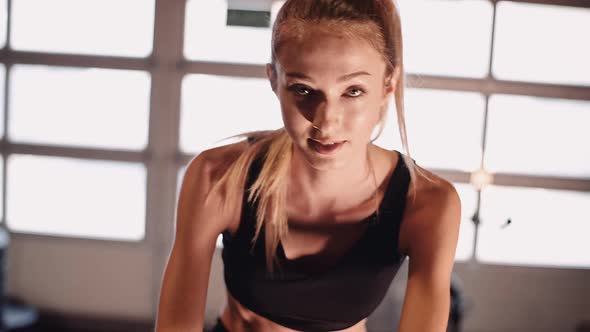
376	21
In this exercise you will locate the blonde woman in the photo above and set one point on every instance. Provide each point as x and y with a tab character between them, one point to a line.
316	219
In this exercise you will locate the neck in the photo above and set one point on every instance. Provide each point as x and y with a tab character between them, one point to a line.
323	187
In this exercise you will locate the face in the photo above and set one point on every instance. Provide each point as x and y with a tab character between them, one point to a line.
332	90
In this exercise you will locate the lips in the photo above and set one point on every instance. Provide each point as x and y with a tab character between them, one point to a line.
325	147
326	142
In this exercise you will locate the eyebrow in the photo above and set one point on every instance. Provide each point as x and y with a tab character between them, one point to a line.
343	78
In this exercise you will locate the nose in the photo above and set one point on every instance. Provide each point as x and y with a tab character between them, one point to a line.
327	117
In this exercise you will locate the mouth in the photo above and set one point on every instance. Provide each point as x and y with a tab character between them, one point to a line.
325	147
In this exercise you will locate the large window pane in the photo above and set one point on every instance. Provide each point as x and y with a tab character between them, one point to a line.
449	38
209	38
82	107
444	128
468	197
76	198
3	22
214	108
547	227
538	136
105	27
2	86
551	47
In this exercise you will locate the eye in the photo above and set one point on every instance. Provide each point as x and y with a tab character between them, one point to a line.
299	90
356	92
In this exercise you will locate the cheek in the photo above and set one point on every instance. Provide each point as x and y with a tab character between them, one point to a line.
293	121
362	127
364	119
294	114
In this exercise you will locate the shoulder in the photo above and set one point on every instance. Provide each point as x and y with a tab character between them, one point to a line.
205	169
211	163
197	199
432	215
431	188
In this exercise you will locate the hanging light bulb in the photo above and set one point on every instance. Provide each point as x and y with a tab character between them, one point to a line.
481	178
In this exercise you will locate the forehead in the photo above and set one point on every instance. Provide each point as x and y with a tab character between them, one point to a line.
324	52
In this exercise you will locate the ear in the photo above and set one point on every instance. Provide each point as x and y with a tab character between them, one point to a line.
389	87
272	77
391	82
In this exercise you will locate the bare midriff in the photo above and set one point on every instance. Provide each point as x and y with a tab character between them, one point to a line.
237	318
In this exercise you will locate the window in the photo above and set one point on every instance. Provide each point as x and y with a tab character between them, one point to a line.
76	147
487	94
445	128
456	33
216	107
76	198
223	42
3	16
2	86
460	119
78	27
100	108
534	226
538	136
549	48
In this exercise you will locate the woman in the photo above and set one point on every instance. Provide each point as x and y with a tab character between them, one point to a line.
316	219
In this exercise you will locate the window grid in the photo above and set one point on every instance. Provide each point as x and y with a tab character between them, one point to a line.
167	67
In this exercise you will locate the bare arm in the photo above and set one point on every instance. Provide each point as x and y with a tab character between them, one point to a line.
433	235
184	286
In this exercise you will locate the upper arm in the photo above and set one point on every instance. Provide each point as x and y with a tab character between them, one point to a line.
198	224
432	233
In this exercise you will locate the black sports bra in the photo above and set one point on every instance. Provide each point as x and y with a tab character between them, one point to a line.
335	298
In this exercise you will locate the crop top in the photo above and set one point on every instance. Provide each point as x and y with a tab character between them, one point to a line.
335	298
